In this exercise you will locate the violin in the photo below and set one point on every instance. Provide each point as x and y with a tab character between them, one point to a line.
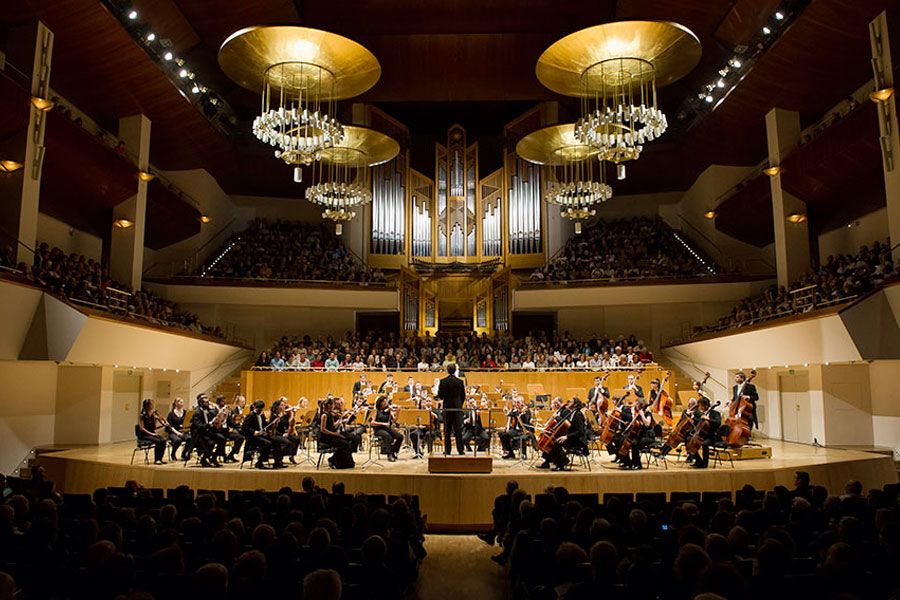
166	424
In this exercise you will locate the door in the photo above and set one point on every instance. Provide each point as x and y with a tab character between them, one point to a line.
795	410
126	406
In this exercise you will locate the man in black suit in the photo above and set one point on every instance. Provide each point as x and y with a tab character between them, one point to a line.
452	391
473	429
599	390
742	387
712	433
634	387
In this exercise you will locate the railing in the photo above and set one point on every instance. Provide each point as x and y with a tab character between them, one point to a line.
210	280
633	368
647	279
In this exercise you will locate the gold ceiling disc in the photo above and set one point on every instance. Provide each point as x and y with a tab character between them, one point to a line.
247	54
362	147
671	48
554	145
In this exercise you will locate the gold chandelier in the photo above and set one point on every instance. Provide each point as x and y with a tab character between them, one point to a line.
340	178
616	69
302	73
573	179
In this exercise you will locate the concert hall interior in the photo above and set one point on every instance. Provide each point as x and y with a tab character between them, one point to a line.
514	298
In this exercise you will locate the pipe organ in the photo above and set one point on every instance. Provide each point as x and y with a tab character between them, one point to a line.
389	207
524	207
421	205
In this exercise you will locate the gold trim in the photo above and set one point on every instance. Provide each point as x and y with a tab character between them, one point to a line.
371	147
553	145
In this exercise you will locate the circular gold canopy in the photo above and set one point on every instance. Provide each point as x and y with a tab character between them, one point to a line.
362	147
247	54
554	145
672	49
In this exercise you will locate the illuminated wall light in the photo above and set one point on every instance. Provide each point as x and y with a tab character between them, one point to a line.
168	56
9	166
123	223
772	171
205	219
796	218
183	73
195	89
133	15
151	36
710	214
708	99
766	30
882	95
779	16
720	83
734	63
42	104
146	176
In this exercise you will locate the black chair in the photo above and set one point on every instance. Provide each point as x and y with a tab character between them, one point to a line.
322	448
719	452
142	445
679	497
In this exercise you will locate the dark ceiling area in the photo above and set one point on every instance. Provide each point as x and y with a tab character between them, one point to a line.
458	61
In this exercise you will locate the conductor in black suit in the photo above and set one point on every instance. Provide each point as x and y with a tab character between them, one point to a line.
452	391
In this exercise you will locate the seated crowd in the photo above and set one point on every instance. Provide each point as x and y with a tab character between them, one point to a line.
799	543
133	542
839	279
640	247
288	250
85	280
535	351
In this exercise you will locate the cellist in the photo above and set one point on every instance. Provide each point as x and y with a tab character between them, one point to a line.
573	440
638	424
704	412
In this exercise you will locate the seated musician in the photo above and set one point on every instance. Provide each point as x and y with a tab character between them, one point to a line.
232	428
633	386
282	423
350	426
210	443
519	430
148	421
637	421
473	429
573	440
704	412
330	434
177	434
682	430
598	392
254	430
388	385
383	428
427	431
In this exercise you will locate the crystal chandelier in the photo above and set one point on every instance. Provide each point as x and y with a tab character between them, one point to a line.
302	73
615	69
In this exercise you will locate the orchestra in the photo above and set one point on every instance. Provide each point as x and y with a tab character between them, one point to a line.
627	424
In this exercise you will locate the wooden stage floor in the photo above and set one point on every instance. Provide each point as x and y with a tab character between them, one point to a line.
458	502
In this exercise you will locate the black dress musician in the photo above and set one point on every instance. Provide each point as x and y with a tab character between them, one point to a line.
351	428
232	429
254	430
209	442
285	441
519	431
704	412
473	429
177	434
147	424
382	427
573	441
330	434
635	416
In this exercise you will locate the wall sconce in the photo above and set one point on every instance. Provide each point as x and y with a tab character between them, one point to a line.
882	95
123	223
772	171
710	214
205	219
42	104
146	176
796	218
9	166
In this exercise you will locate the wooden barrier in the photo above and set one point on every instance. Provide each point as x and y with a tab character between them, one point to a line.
270	385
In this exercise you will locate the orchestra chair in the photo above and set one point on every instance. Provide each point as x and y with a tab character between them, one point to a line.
144	446
652	453
322	448
495	398
582	457
374	444
719	454
248	454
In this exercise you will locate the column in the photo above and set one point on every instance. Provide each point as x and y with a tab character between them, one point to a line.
880	31
791	239
126	257
30	47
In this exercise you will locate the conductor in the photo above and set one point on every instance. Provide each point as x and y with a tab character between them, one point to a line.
452	391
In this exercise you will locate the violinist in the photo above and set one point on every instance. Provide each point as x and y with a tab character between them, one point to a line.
423	432
148	421
705	412
281	424
330	433
473	429
519	430
254	430
350	426
573	440
637	422
232	428
177	435
382	427
210	443
746	390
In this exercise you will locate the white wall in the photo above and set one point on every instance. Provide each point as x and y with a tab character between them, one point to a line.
848	239
59	234
27	409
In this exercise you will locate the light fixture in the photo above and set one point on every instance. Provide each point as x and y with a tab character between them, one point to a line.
796	218
204	218
615	69
710	214
882	95
9	166
340	180
42	104
720	83
772	171
146	176
302	73
195	89
779	16
574	180
766	31
734	63
123	223
708	98
133	15
183	73
151	36
168	56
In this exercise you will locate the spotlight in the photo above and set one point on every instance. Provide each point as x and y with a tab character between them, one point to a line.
9	166
146	176
720	83
133	15
766	30
734	63
168	56
183	73
195	89
779	16
882	95
151	36
123	223
708	99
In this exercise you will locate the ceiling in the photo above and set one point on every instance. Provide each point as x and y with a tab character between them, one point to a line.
466	61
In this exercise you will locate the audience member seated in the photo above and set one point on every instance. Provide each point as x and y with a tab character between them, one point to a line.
288	250
840	279
777	544
535	351
636	248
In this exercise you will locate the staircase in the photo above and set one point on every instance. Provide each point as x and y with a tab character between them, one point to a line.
229	387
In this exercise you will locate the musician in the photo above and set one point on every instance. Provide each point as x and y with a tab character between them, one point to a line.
177	435
598	392
410	386
428	431
637	416
282	431
232	428
704	412
699	391
148	421
330	433
634	387
382	426
452	392
350	427
745	389
388	385
209	442
573	440
519	430
655	392
473	429
254	430
359	386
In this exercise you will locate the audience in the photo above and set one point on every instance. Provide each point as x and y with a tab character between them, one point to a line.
535	351
779	544
85	280
135	542
288	250
839	279
640	247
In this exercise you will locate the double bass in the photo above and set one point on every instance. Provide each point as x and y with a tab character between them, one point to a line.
663	404
740	414
701	432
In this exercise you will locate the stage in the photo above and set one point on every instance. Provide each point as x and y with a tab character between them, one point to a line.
463	502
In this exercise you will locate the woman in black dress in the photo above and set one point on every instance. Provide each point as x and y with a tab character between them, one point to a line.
177	434
147	423
391	439
330	434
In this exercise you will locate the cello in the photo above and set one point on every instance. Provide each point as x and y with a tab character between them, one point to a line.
701	432
740	414
553	429
663	404
610	424
632	432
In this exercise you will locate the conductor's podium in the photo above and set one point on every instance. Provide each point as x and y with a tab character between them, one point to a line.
438	463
